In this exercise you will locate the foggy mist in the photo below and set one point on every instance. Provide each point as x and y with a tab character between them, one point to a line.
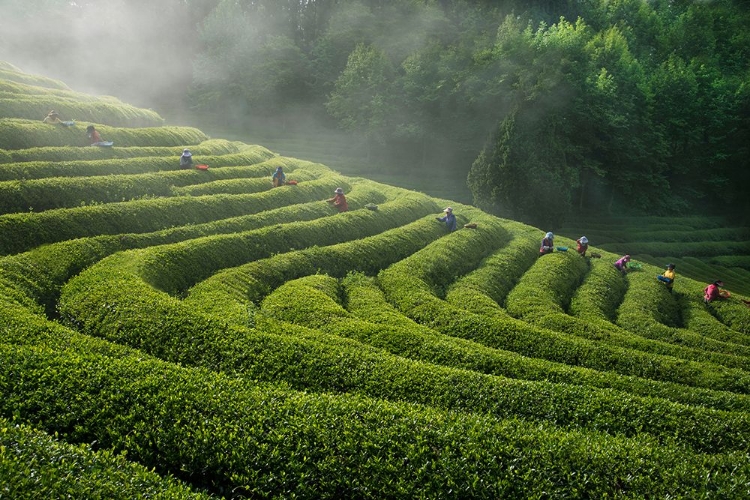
118	47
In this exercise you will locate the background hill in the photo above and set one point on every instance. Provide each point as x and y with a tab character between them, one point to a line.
186	333
626	107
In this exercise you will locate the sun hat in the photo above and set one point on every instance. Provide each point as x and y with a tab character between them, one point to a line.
448	209
339	191
584	240
549	235
186	152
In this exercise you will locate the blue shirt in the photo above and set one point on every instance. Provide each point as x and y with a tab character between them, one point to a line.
450	221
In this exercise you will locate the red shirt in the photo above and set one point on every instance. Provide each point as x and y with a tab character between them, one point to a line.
95	137
340	202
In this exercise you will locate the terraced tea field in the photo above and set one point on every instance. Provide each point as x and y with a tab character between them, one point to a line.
191	334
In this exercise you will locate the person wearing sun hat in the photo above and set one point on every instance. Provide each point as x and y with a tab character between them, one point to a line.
186	160
547	245
667	277
449	218
339	200
582	244
52	118
279	177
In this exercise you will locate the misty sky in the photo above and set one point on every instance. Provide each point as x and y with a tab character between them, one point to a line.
130	49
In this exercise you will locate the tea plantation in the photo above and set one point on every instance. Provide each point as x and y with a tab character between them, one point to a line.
174	333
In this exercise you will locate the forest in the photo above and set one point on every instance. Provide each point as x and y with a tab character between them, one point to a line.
551	108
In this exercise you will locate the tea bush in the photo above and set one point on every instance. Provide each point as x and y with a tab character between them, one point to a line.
161	325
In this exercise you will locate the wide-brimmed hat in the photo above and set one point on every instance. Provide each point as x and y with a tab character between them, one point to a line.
339	191
448	210
584	240
549	235
186	152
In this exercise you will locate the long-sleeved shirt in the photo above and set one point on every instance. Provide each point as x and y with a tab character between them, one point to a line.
339	201
546	246
186	161
450	221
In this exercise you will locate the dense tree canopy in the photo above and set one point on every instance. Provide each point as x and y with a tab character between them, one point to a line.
604	105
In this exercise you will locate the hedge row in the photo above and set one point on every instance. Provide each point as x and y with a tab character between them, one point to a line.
742	261
244	440
735	279
22	231
16	133
734	313
113	114
409	287
496	276
134	313
210	147
219	351
699	317
37	80
646	233
652	312
601	293
542	295
407	338
547	286
310	302
242	185
35	465
66	192
11	89
90	168
690	249
175	268
41	272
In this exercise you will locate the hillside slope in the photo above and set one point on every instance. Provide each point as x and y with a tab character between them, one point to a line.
204	334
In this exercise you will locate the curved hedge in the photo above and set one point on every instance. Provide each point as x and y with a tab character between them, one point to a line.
311	302
66	192
35	465
16	133
14	75
113	114
25	231
408	285
90	168
209	147
232	436
366	300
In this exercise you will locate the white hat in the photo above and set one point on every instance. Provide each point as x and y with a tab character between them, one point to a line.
584	240
448	209
549	235
186	152
339	191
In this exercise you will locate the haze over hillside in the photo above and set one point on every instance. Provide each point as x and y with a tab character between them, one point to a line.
597	107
